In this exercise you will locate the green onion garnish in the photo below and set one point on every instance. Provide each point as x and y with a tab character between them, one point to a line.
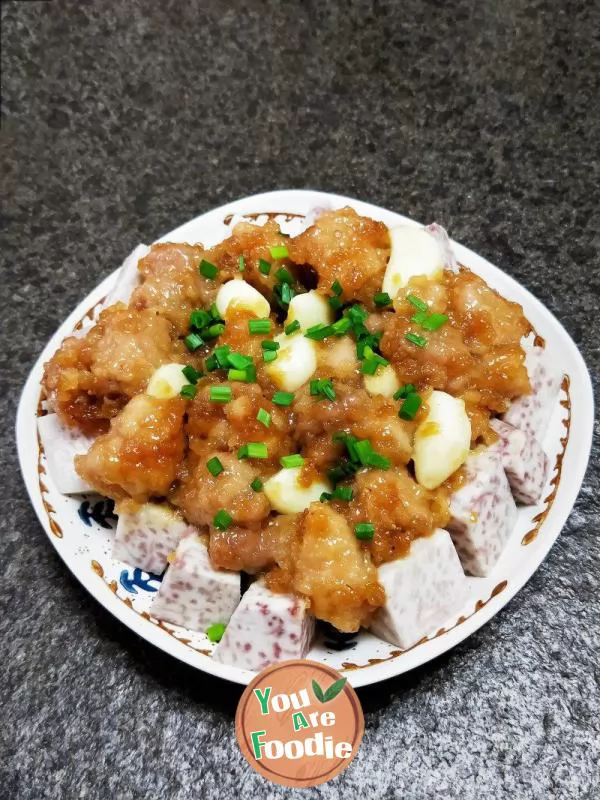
211	363
341	327
236	375
238	361
404	391
434	322
364	530
214	311
269	356
220	394
322	388
417	302
207	269
214	466
325	496
256	484
253	450
335	303
221	353
264	417
222	520
319	332
286	294
414	338
292	327
295	460
263	266
259	326
242	263
382	299
199	319
342	493
337	288
193	341
284	276
215	632
192	374
214	330
283	398
410	406
279	251
269	344
188	391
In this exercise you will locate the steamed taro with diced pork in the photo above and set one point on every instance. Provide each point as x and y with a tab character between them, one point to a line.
307	404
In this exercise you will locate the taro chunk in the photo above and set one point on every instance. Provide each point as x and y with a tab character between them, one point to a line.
146	534
524	461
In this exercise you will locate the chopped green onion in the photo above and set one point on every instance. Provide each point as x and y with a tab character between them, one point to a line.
199	319
337	288
269	344
211	363
259	326
279	251
434	322
242	263
283	275
322	388
193	341
335	303
364	530
357	314
295	460
220	394
367	340
404	391
292	327
325	496
214	311
253	450
269	356
283	398
369	366
215	632
341	327
417	302
264	417
256	484
378	461
343	493
188	391
419	318
214	330
222	520
363	451
236	375
251	374
192	374
414	338
263	266
410	406
238	361
207	269
382	299
319	332
314	388
221	353
214	466
286	294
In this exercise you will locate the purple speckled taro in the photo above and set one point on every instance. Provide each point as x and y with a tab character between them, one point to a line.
266	628
483	513
524	461
531	413
61	444
193	593
423	591
147	534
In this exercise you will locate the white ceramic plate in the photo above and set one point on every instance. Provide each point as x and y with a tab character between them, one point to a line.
80	528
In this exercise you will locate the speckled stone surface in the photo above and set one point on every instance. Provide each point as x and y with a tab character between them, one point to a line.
122	120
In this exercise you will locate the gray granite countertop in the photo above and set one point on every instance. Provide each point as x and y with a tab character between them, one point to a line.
122	120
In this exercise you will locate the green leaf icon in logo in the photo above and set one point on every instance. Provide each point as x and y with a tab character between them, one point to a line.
330	693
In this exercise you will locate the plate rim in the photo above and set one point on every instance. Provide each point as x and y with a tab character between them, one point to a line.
567	493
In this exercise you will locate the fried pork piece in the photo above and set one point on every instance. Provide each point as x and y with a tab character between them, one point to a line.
255	550
140	455
343	246
201	495
172	284
335	572
89	379
400	509
226	427
354	411
254	242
